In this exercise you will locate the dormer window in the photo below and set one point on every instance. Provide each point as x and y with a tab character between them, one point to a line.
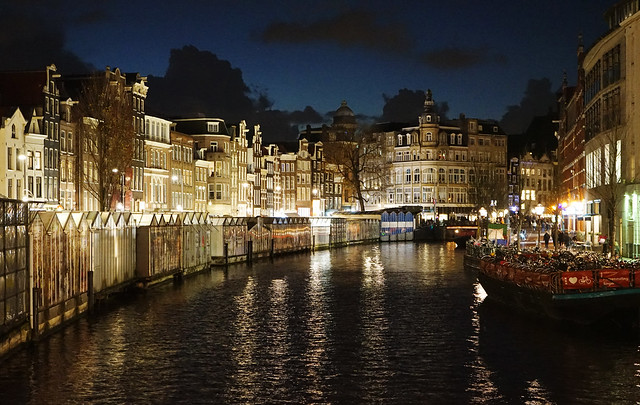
212	126
453	139
428	118
459	139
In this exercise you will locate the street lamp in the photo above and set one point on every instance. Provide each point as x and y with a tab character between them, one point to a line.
483	214
120	204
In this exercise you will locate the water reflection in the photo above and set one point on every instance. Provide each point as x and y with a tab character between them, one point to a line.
244	376
375	366
390	323
317	325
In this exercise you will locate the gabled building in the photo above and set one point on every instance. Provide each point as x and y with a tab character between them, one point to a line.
37	95
21	158
159	156
212	143
182	168
450	169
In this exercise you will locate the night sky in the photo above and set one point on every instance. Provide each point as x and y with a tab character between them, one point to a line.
478	57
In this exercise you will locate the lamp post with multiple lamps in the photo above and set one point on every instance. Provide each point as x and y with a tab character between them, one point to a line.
120	204
483	214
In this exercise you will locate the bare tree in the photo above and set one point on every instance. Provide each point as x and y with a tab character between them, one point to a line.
360	159
105	130
487	187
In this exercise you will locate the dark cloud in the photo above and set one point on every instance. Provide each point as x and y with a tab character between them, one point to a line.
361	28
351	28
407	105
538	100
91	17
459	58
30	39
197	83
307	116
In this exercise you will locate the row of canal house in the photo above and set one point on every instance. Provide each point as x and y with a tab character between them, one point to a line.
195	164
57	264
598	147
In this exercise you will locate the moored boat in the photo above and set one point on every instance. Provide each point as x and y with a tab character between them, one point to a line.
583	289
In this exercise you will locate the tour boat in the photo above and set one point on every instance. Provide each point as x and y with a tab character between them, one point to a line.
579	295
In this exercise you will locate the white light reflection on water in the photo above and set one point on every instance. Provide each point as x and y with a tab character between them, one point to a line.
375	326
245	344
277	337
481	376
317	324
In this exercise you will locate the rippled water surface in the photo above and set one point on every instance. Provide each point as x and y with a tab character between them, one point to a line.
392	323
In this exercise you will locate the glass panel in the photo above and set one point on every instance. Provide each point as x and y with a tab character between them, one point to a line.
11	304
21	258
21	231
9	213
2	294
22	214
1	263
21	281
21	307
10	261
10	286
10	237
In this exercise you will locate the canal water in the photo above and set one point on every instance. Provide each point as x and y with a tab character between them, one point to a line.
392	323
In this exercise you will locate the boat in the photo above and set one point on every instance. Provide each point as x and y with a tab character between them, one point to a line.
562	287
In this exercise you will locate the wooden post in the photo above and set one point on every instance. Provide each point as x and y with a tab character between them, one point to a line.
225	250
35	297
91	294
250	251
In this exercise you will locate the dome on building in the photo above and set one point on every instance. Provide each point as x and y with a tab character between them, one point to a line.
344	115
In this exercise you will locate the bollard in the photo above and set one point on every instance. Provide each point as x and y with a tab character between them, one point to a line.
250	251
313	243
225	250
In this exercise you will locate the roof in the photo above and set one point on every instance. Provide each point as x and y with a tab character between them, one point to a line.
344	115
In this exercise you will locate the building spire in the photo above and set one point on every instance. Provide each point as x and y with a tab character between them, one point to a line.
428	101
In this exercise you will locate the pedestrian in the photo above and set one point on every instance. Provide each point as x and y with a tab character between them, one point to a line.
568	241
546	240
